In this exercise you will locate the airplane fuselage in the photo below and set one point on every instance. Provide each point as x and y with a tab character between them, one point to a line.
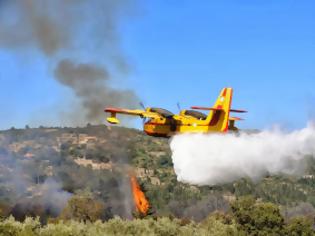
166	127
163	123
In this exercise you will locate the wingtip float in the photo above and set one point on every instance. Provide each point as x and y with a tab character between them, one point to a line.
163	123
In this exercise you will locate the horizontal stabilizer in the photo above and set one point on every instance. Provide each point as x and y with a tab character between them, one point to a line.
235	118
216	109
237	111
207	108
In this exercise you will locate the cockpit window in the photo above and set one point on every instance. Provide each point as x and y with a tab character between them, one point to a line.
196	114
162	112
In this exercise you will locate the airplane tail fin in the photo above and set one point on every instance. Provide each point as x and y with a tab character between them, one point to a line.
218	117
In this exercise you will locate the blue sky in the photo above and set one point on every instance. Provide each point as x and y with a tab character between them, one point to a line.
186	51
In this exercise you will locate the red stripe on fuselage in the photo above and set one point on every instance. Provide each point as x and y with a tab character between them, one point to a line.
158	124
224	92
227	123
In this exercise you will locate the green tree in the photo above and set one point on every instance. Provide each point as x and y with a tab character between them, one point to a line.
4	210
299	226
83	208
257	218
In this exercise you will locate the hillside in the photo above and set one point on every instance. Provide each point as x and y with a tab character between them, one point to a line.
42	168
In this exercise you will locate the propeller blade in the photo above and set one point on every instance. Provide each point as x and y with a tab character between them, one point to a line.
144	119
142	105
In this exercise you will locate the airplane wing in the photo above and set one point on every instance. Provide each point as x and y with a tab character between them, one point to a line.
141	113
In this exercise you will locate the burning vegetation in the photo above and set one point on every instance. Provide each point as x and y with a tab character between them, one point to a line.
141	202
53	186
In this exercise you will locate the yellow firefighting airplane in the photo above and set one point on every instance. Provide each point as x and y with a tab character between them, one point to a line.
163	123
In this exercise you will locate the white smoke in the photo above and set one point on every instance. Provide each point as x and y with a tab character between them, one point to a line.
209	159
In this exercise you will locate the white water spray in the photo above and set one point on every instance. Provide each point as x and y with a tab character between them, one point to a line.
209	159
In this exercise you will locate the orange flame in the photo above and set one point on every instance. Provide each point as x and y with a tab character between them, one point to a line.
141	202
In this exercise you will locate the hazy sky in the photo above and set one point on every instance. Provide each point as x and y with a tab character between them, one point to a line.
186	51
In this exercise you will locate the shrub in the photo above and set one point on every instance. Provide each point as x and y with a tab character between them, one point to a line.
299	226
83	208
257	218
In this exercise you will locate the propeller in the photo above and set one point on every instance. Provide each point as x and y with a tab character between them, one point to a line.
144	118
142	105
178	106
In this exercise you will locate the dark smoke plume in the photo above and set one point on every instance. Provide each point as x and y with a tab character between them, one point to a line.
67	30
64	32
89	84
36	23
